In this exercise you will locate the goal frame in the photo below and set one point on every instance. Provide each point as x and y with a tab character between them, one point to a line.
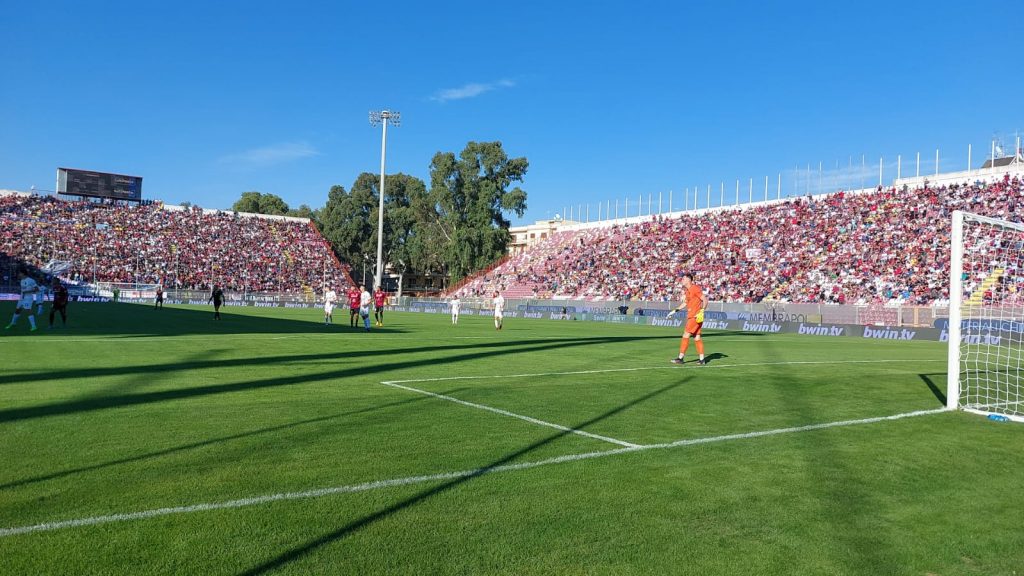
956	303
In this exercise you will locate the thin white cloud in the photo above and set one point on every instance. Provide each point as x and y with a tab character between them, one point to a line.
271	155
471	90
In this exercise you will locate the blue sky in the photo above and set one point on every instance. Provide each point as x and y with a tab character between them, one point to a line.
206	100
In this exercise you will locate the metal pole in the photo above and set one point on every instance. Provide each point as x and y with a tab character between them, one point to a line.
380	208
659	201
750	192
670	201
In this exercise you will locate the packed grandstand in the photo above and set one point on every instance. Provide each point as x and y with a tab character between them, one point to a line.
889	245
186	248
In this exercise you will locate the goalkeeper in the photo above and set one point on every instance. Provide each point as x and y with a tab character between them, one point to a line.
695	302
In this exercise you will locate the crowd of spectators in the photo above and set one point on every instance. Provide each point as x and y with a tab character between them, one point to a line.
150	244
889	246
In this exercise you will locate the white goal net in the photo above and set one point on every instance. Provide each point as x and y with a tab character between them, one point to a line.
986	316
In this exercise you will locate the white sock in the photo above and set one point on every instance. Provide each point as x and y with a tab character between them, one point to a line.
32	320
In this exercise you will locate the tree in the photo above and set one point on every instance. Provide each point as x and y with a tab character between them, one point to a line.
345	223
259	203
304	211
465	213
349	220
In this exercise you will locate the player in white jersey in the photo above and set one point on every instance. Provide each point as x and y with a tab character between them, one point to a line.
29	289
455	304
40	297
330	297
499	310
364	306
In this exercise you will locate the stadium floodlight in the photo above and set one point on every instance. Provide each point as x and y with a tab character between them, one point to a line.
986	317
383	118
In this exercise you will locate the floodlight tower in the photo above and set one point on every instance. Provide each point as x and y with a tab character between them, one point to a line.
384	117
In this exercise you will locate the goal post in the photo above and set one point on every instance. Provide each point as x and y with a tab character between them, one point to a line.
986	316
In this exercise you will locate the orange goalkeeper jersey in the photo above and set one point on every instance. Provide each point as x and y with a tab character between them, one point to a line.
694	298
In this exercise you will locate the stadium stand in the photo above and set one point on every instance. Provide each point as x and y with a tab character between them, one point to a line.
887	246
188	248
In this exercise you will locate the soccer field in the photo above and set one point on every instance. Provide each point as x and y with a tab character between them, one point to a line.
141	441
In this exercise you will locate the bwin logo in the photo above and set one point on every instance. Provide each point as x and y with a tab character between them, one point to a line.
973	338
715	325
821	330
888	333
667	322
771	328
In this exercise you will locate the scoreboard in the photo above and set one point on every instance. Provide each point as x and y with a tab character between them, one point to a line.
99	184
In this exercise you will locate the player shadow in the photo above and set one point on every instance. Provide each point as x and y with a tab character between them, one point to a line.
356	525
715	356
360	370
213	441
341	356
939	395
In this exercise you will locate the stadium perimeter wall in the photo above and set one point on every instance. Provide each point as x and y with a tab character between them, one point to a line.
747	321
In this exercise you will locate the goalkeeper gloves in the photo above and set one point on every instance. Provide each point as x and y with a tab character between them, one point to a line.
700	317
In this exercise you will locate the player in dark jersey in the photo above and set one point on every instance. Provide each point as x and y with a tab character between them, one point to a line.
159	297
59	303
353	295
217	297
380	299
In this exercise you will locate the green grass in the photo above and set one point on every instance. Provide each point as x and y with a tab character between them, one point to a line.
132	409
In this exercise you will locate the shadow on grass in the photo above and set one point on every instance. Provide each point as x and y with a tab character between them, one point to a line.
939	395
361	370
212	441
141	320
340	356
715	356
356	525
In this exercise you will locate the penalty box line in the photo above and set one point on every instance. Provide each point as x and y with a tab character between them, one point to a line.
401	385
379	484
513	415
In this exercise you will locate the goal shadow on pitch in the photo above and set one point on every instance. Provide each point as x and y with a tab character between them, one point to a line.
936	390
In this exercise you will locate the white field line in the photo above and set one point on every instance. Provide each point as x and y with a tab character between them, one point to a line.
513	415
257	500
644	368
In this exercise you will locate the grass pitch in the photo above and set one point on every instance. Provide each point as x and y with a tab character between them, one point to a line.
141	441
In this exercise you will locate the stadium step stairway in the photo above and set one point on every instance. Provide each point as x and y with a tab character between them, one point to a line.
978	296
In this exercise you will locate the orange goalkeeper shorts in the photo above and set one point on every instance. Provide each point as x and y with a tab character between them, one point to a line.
693	327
